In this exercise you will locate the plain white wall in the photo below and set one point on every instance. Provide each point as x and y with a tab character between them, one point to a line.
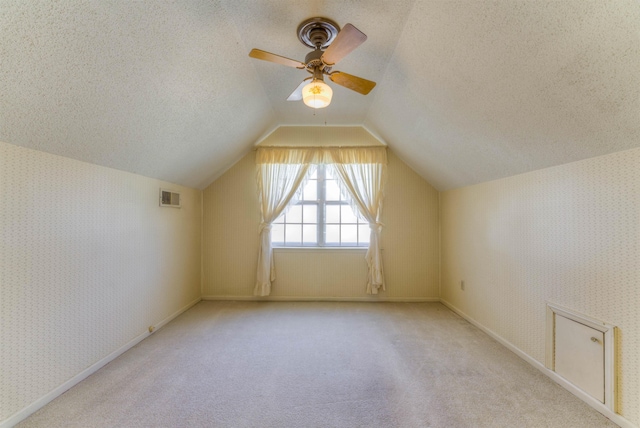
88	261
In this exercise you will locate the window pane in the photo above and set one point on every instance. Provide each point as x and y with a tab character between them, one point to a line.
347	215
332	214
364	234
310	214
294	234
277	233
300	225
310	234
294	215
349	234
332	235
310	191
332	190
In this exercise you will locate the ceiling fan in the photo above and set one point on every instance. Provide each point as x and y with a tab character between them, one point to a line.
330	44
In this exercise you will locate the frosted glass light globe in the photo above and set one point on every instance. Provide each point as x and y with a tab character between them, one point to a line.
317	94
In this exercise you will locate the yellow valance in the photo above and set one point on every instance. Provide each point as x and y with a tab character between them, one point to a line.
321	155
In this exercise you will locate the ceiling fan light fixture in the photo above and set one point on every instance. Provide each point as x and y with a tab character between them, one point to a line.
317	94
330	44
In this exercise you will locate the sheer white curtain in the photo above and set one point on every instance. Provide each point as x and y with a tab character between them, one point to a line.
279	176
365	184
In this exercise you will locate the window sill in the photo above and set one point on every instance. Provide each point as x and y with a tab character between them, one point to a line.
320	248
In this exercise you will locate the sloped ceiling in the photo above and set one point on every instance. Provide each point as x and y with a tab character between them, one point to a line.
478	90
468	91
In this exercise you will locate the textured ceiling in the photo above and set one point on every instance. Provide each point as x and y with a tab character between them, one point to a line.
468	91
482	90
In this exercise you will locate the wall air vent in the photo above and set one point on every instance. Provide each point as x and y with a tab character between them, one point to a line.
169	198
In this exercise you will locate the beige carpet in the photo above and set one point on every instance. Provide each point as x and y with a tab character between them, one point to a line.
318	364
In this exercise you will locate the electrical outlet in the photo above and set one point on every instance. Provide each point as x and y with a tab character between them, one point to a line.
462	285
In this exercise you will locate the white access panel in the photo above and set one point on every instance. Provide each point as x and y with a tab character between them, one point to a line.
579	356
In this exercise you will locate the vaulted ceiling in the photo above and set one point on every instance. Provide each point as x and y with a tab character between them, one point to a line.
467	91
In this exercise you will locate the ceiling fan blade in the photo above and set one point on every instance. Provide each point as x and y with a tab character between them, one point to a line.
354	83
347	40
297	94
268	56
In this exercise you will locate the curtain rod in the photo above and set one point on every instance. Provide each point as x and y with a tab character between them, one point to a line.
319	147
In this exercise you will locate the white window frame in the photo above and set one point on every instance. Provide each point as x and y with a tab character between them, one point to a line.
321	202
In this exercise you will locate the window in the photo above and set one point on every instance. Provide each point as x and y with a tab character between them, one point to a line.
322	217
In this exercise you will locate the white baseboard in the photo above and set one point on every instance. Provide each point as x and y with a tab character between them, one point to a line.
600	407
372	299
170	318
46	399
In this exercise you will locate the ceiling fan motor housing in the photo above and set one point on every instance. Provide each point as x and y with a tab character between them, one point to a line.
313	60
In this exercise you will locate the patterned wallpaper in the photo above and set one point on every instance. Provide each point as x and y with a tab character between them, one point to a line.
88	260
568	235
